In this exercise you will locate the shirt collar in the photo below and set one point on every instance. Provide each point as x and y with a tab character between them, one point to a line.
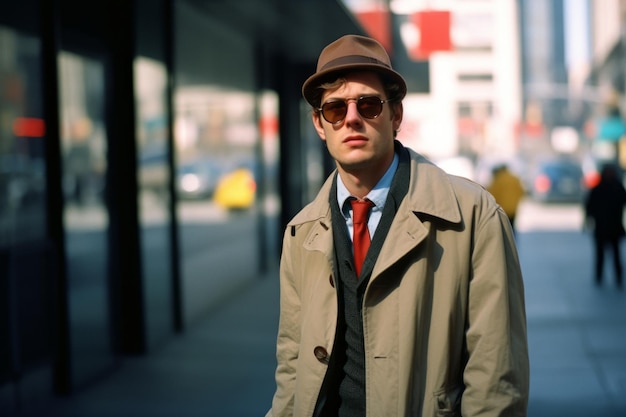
378	195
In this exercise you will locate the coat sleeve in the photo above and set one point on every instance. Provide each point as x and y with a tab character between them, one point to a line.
288	339
496	375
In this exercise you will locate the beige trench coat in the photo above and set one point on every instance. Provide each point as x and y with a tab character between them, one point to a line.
443	313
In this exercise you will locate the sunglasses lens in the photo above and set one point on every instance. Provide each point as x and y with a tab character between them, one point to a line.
369	107
334	111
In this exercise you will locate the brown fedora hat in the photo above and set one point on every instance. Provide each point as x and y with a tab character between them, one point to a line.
350	53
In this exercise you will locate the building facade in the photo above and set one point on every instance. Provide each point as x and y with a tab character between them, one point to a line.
150	153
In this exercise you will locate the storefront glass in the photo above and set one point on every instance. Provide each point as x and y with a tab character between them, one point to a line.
86	220
217	161
25	273
154	196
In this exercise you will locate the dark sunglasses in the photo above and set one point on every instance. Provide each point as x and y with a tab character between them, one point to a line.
335	111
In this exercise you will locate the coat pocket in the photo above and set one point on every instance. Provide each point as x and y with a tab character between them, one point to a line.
448	401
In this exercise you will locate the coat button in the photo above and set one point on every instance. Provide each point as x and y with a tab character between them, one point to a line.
332	281
321	354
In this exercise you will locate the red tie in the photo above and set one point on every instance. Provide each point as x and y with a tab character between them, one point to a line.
361	238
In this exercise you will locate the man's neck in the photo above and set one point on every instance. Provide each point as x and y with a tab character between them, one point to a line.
359	182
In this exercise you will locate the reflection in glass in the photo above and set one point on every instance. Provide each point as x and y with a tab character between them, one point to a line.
269	206
83	143
154	195
22	163
216	145
25	276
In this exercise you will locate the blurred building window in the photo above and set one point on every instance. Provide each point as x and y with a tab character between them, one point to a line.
473	119
483	77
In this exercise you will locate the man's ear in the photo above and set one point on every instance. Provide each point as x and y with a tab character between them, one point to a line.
317	123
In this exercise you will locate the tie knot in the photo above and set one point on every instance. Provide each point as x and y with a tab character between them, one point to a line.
360	209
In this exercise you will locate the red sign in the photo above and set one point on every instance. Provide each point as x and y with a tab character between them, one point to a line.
434	33
29	127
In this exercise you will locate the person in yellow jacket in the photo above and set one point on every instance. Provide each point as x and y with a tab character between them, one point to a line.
508	191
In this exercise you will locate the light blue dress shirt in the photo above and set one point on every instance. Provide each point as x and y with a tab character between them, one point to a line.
378	196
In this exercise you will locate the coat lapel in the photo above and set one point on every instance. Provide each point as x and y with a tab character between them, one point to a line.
405	234
407	231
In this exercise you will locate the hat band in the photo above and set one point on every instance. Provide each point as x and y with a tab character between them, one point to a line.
352	59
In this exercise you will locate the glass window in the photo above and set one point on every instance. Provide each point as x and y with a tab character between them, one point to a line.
25	276
216	181
154	196
83	147
219	172
22	140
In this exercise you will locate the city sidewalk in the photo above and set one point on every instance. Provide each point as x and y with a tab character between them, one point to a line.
576	331
223	366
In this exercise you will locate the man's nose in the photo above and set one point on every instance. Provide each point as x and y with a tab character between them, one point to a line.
352	112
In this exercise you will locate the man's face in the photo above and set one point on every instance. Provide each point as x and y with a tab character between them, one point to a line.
359	144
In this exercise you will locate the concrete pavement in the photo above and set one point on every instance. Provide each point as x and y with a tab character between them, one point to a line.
576	331
224	365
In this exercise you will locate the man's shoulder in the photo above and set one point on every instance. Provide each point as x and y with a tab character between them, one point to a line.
313	211
436	177
434	192
317	209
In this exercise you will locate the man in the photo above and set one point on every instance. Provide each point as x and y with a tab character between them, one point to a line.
508	191
604	211
433	322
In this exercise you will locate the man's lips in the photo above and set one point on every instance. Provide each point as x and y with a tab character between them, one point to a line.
356	138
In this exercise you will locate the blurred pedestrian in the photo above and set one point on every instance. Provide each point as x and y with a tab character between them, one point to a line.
508	191
604	210
433	321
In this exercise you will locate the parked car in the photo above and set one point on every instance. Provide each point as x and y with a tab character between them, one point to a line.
236	190
591	170
197	178
559	179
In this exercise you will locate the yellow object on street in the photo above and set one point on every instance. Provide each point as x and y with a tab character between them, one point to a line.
236	190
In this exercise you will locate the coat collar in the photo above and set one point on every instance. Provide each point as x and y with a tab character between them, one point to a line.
430	193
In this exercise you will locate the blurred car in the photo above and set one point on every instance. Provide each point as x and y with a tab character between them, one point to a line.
197	178
236	190
560	180
591	170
